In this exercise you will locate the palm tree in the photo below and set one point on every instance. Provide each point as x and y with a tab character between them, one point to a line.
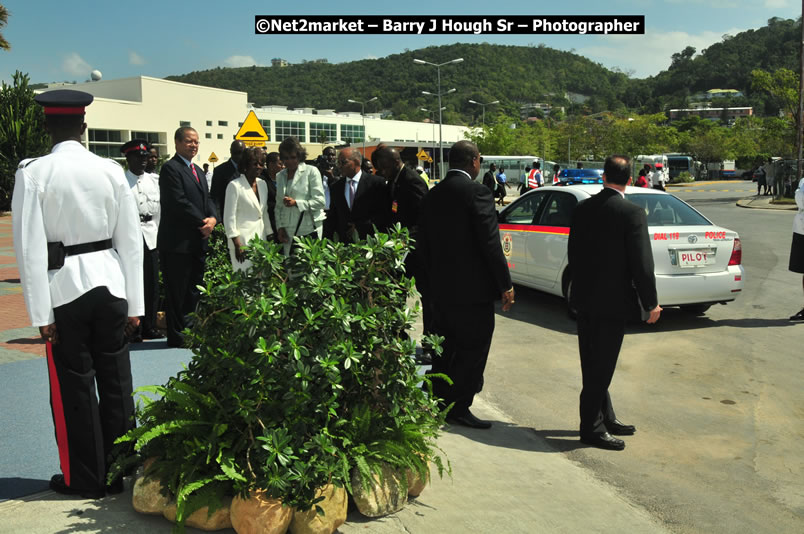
3	21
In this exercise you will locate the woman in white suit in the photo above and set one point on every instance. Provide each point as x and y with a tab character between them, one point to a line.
245	213
299	195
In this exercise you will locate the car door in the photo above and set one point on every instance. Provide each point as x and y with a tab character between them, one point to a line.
516	227
548	242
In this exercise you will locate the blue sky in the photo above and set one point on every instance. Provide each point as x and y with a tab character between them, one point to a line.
58	41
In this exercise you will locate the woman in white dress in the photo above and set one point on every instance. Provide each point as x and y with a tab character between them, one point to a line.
245	213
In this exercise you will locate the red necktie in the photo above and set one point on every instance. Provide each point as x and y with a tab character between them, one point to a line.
192	168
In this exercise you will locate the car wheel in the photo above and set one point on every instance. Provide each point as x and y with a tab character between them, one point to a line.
696	309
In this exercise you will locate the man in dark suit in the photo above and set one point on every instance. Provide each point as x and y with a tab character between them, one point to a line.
187	220
490	180
224	174
460	245
611	263
358	200
406	189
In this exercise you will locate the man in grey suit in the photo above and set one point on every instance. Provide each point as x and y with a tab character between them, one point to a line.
611	263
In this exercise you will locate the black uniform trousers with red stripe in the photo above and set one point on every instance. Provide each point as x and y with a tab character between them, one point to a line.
91	353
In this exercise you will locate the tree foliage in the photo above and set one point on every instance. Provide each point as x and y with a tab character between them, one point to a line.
22	132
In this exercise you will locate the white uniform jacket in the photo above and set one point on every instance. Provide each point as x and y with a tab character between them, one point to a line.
73	196
244	215
146	194
798	220
307	190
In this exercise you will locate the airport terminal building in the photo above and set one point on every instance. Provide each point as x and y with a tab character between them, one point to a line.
153	108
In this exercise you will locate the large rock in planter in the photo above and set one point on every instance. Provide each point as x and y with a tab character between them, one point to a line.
416	484
201	519
335	503
147	495
387	494
260	515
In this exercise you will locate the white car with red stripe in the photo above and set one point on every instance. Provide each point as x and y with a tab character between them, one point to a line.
697	263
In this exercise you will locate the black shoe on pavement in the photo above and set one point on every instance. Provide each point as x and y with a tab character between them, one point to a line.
152	334
115	487
618	428
175	343
604	440
799	317
467	419
58	485
425	357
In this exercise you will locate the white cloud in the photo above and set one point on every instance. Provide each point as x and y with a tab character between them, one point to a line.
75	65
648	54
239	61
135	59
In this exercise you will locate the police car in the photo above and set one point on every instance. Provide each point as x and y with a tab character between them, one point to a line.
697	263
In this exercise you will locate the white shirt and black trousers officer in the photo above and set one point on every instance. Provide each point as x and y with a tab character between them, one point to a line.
82	201
145	188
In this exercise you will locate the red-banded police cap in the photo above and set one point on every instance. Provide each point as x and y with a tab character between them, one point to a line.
64	101
135	146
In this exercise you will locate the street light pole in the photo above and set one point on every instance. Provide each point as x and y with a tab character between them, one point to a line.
484	108
440	94
363	114
432	121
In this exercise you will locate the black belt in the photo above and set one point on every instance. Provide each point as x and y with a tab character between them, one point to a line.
145	218
57	251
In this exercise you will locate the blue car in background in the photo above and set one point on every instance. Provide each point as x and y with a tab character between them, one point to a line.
580	176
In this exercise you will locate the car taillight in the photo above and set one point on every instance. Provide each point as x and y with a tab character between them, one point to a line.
736	253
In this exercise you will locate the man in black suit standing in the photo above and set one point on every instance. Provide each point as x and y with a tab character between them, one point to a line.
358	200
459	240
490	180
187	220
225	173
611	263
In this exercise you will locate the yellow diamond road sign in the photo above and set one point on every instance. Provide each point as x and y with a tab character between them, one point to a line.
252	133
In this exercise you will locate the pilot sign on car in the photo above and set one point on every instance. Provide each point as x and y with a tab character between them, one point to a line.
697	263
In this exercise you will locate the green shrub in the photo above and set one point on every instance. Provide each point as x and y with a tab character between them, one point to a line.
684	177
301	372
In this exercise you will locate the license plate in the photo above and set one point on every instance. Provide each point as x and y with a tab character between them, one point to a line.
695	258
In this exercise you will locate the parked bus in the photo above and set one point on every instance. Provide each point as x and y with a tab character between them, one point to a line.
515	167
679	163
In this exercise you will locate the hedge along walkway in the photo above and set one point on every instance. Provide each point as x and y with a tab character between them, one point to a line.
18	339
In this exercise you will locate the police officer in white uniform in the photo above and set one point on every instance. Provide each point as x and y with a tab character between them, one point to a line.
79	252
145	186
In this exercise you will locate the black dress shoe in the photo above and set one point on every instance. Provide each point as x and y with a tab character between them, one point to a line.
115	487
604	440
58	485
467	419
175	343
616	428
797	318
425	357
152	334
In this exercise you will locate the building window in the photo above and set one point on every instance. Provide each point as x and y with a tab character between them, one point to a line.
220	136
151	137
352	133
207	136
266	125
223	123
209	123
291	128
321	132
182	124
106	143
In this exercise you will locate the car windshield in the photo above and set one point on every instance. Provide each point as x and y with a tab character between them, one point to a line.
667	210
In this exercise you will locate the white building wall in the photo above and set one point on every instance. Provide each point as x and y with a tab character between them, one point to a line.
145	104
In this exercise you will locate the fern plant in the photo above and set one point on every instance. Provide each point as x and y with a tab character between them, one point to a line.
302	371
